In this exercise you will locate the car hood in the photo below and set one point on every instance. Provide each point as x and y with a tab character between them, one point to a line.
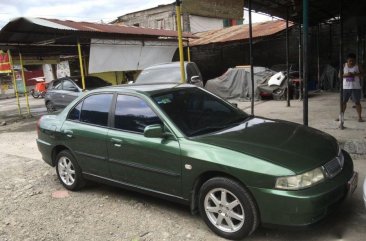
290	145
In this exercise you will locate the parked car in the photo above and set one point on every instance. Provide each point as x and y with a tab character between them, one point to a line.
62	91
170	72
183	143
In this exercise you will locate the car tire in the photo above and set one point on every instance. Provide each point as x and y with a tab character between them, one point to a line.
228	208
50	107
34	94
68	171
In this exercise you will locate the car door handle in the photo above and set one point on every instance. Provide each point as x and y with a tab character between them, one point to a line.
68	133
116	142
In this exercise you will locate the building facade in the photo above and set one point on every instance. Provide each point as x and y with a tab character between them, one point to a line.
164	17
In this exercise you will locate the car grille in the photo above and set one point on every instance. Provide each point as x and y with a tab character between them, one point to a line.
335	166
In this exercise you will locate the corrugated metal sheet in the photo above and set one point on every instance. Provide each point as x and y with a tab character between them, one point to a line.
239	32
49	24
113	28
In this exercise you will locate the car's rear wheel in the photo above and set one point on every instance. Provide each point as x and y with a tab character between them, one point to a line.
228	208
68	171
50	107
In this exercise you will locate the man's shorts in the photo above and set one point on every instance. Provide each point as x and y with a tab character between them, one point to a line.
355	93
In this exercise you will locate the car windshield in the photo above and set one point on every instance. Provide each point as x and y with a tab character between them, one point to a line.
159	75
196	112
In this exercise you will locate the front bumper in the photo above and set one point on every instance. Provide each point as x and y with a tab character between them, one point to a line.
307	206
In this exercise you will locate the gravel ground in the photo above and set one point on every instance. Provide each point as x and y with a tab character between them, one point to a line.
35	206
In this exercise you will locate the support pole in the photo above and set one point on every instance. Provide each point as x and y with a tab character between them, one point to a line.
363	60
251	54
318	55
287	60
305	59
300	65
359	56
25	87
81	66
341	113
188	52
14	82
180	41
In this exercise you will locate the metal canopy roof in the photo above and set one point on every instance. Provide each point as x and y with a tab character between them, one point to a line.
319	10
35	36
239	33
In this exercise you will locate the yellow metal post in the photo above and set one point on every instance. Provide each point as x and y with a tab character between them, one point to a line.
180	41
81	66
25	87
14	82
188	53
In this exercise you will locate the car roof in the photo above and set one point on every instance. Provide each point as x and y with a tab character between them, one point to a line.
149	89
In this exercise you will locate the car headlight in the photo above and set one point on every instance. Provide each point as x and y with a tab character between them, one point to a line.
301	181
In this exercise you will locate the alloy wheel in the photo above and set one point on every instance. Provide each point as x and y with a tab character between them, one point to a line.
66	171
224	210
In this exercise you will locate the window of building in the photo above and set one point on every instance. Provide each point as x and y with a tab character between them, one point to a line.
160	24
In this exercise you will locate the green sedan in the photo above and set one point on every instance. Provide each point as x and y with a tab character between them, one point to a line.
185	144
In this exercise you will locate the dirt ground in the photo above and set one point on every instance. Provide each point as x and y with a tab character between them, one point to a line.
35	206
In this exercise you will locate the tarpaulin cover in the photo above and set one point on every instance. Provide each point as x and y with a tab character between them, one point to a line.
124	55
236	82
329	78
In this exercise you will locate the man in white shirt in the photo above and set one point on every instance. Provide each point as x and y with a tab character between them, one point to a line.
352	85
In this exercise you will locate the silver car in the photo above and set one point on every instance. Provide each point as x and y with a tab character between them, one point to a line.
60	92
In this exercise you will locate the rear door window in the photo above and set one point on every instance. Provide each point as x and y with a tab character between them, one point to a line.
133	114
74	114
95	109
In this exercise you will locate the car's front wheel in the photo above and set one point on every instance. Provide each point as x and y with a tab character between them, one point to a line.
228	208
68	171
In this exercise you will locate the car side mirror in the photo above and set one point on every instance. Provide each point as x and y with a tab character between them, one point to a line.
195	79
234	104
157	131
154	131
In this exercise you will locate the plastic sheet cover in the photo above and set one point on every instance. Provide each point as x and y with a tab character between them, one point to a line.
125	55
236	82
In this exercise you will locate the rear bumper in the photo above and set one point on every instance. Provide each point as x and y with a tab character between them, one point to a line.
46	150
303	207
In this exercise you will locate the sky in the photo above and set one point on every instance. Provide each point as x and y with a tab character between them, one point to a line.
78	10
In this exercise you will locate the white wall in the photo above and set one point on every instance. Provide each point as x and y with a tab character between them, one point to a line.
201	24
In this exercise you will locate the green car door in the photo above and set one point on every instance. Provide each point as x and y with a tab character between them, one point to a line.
150	163
85	130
